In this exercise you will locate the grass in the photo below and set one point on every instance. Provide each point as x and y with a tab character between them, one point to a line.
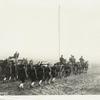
87	83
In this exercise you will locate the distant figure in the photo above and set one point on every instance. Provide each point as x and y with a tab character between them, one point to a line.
62	60
72	59
81	59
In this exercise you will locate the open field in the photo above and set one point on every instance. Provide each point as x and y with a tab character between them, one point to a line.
84	84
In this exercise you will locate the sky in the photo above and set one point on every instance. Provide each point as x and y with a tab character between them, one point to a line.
31	28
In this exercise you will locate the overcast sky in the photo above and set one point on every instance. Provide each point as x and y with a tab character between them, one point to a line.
31	28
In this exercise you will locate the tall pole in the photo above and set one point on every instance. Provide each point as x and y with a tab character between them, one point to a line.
59	7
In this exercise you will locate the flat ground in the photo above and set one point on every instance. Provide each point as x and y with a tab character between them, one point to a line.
84	84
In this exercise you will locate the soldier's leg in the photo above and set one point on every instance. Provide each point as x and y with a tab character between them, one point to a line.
32	84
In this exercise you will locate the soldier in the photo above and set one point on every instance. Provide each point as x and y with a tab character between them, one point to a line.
62	60
47	73
13	74
72	59
39	70
21	74
53	72
31	71
81	59
15	56
82	62
7	71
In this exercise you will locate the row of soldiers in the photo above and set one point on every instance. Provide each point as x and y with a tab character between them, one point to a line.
76	67
71	59
28	71
38	72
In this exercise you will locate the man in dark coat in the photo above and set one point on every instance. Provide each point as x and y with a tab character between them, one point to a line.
53	73
13	73
46	73
7	72
39	71
31	71
21	74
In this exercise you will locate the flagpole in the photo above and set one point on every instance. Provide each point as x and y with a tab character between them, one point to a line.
59	7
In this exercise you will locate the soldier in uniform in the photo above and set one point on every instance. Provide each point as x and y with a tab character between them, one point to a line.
47	73
72	59
81	59
31	71
62	60
13	74
39	70
21	74
15	56
7	71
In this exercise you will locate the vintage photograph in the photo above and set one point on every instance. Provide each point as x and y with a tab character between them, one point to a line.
49	47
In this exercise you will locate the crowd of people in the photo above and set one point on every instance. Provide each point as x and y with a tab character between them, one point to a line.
22	70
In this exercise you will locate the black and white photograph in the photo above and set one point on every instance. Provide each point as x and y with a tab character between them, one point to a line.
49	47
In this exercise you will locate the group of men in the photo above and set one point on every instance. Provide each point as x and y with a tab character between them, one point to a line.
71	60
35	73
38	73
77	67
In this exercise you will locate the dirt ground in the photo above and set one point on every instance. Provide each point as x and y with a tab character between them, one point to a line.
84	84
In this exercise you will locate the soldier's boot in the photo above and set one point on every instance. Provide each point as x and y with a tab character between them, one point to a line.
32	84
21	86
40	82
